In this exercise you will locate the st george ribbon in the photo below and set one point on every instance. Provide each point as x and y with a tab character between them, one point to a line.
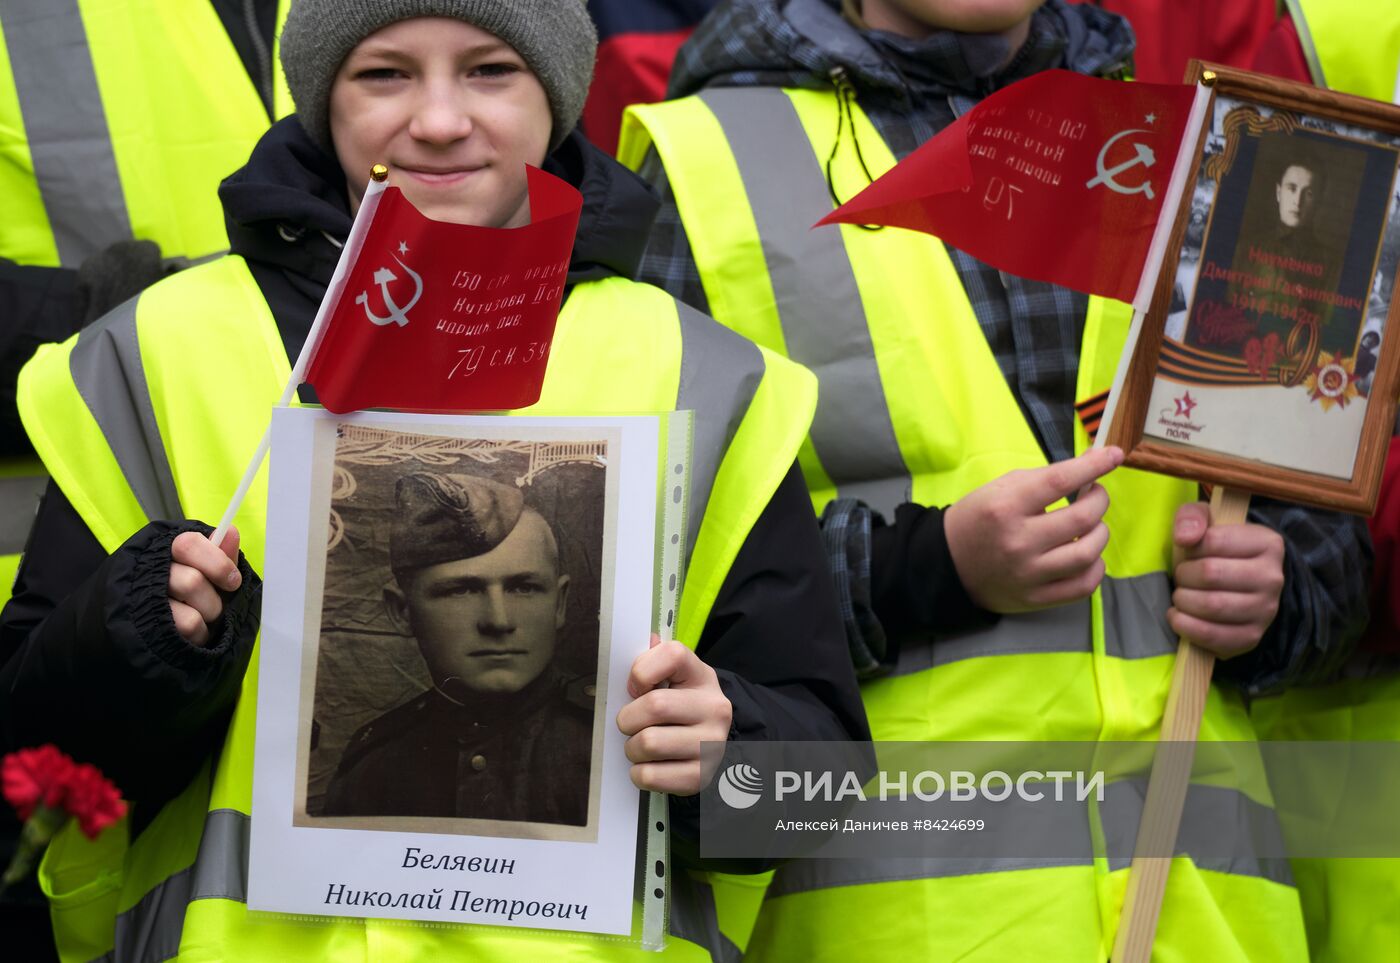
1058	177
437	317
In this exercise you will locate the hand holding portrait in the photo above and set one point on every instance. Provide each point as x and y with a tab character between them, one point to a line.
677	704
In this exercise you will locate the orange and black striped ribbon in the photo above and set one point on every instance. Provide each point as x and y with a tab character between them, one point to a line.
1090	412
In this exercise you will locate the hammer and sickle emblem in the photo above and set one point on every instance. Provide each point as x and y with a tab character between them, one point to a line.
397	315
1107	176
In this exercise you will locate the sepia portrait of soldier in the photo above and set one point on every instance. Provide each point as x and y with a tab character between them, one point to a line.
502	733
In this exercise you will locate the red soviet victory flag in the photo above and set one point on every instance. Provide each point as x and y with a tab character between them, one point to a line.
1058	177
436	317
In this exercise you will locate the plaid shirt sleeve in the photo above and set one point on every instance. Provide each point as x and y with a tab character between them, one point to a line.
846	534
1323	608
668	261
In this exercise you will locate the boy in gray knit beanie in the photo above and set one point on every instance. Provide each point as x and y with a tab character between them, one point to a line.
556	38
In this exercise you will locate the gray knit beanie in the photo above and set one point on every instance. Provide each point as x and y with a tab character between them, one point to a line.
556	38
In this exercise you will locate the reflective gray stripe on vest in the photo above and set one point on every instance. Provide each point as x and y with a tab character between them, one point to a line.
1065	628
1224	826
814	288
1305	41
720	374
65	126
151	929
19	497
1135	622
109	375
693	918
1135	627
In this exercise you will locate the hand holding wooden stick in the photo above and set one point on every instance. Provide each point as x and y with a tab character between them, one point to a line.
1171	775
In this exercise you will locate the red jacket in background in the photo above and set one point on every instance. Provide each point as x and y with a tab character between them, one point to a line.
1171	32
1281	53
638	40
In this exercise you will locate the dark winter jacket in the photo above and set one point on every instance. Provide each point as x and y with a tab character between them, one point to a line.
92	660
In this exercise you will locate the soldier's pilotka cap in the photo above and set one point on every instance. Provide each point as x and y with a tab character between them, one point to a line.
442	518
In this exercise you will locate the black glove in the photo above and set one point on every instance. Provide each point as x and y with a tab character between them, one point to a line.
117	274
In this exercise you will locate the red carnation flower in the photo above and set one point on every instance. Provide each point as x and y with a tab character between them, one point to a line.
35	777
47	789
93	800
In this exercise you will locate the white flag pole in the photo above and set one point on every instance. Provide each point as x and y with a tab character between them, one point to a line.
1156	252
378	181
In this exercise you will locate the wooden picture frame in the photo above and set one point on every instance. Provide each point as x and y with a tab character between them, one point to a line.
1294	258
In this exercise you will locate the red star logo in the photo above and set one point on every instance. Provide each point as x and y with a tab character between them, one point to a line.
1184	404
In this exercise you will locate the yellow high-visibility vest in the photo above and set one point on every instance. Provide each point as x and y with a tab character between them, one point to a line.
118	120
1351	45
1351	906
177	449
913	406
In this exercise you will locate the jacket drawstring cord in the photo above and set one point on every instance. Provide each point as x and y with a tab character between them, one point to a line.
845	113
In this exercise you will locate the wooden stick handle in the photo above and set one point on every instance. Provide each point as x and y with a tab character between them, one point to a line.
1171	775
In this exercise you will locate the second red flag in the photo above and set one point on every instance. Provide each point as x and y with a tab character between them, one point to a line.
1057	178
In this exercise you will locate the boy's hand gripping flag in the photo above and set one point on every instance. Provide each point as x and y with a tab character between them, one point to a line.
436	317
1058	177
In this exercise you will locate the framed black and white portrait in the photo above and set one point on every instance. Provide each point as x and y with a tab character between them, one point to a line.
1268	360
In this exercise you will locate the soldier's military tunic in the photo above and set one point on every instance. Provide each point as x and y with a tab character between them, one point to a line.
524	757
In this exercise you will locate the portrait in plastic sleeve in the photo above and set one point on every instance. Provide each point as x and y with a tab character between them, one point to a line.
456	676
